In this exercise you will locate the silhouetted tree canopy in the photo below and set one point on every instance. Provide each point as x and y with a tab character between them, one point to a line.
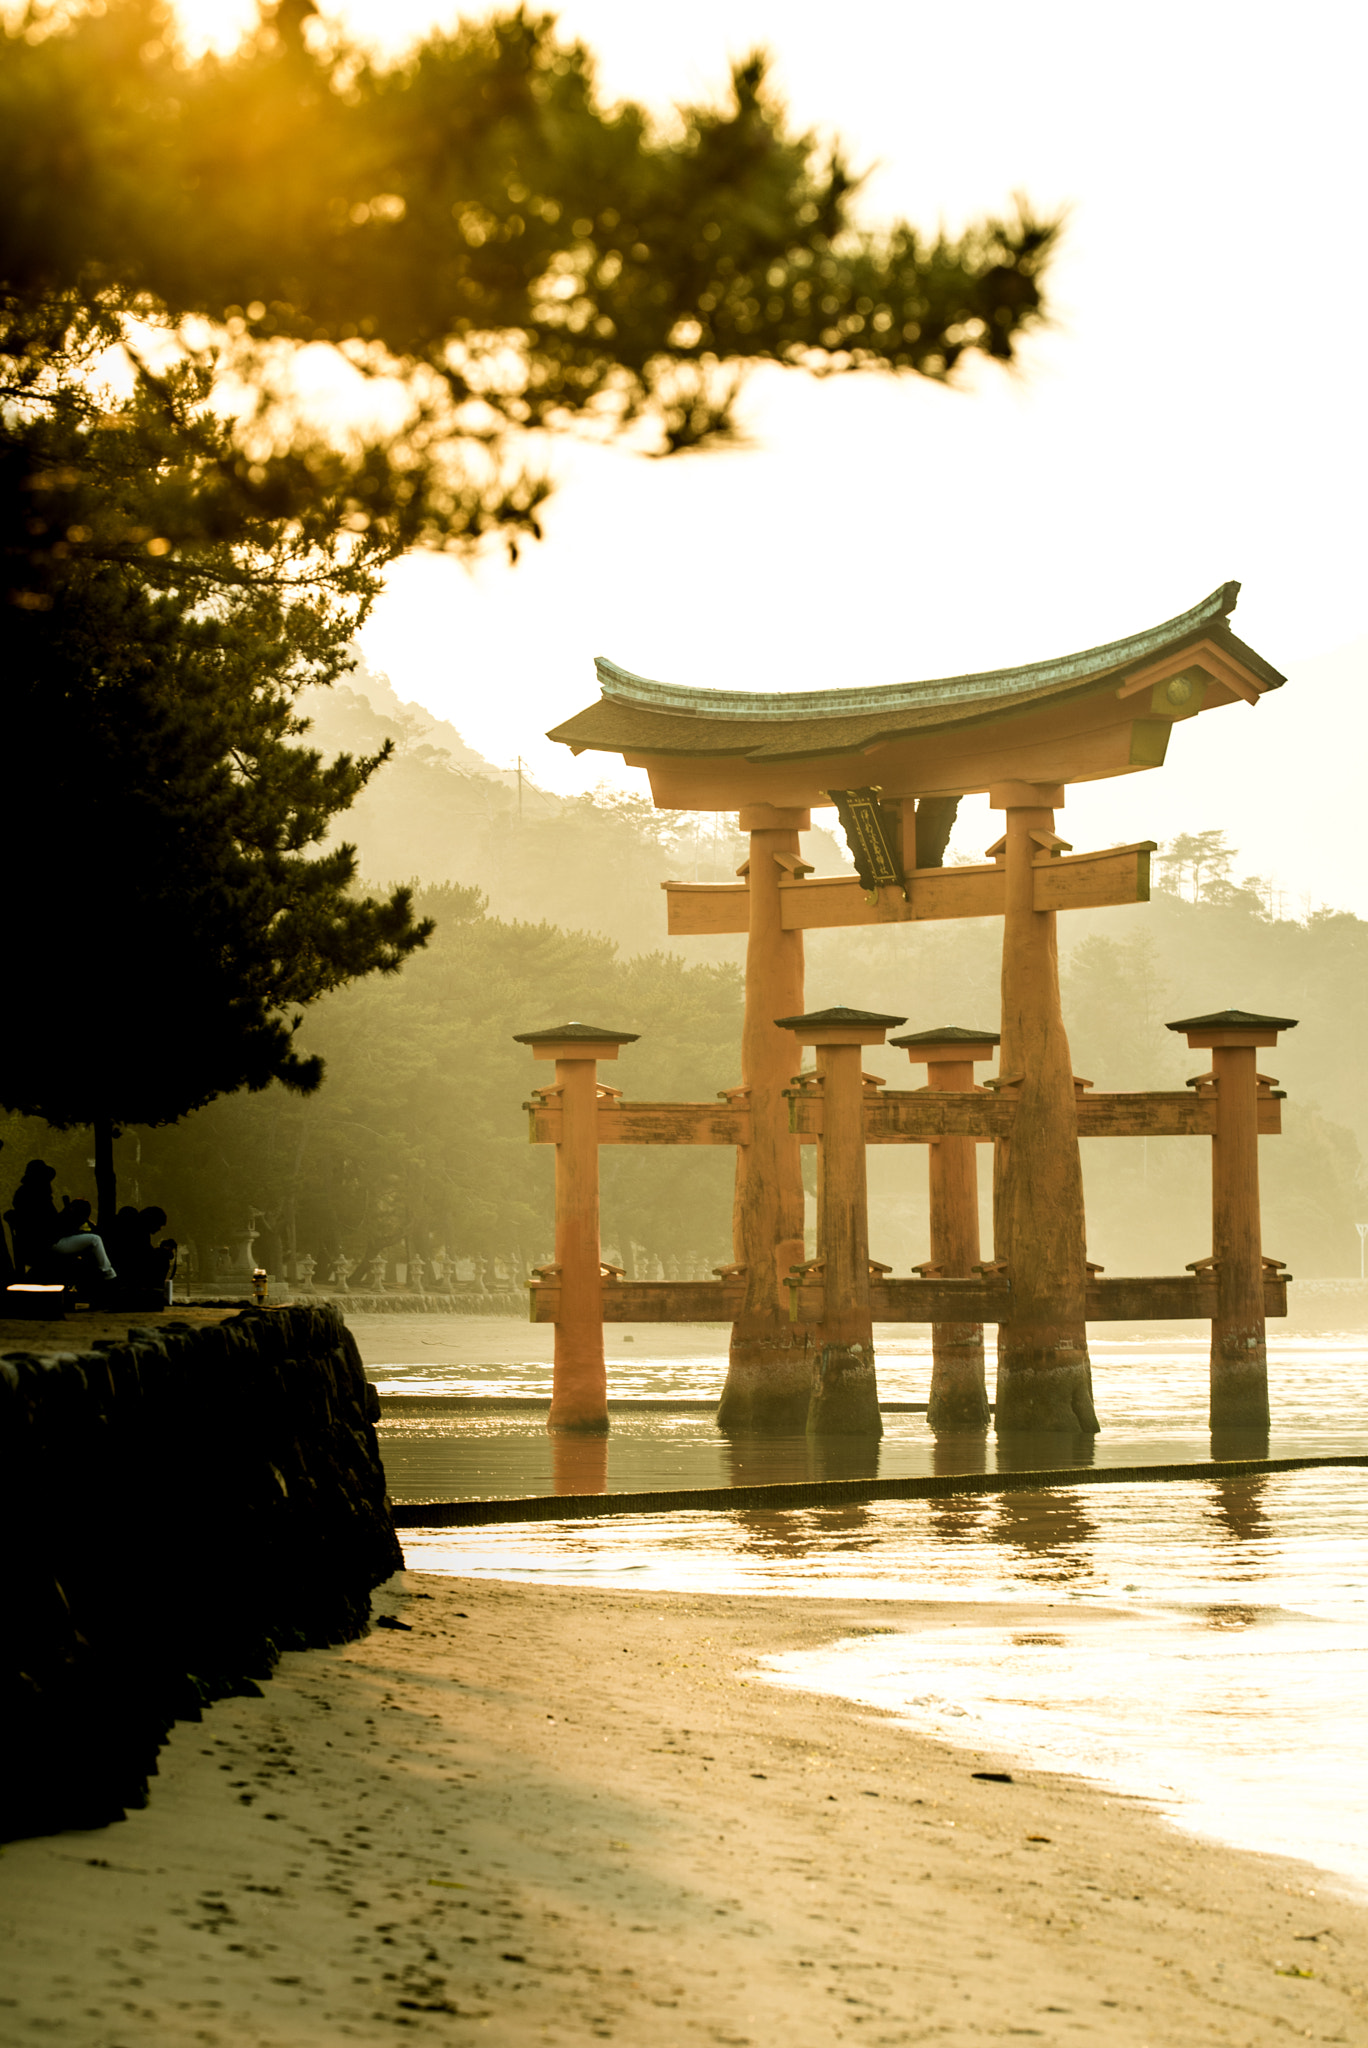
468	230
481	251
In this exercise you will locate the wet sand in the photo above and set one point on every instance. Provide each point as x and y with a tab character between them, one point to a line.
565	1815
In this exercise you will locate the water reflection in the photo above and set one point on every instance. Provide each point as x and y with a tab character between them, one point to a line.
845	1457
1237	1507
1053	1529
766	1461
952	1455
1239	1443
764	1533
579	1464
795	1460
1044	1450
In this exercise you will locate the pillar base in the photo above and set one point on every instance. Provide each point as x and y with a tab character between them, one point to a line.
1044	1379
959	1394
570	1418
1239	1379
769	1385
845	1393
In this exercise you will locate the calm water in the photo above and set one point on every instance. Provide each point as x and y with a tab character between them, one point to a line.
1151	1397
1201	1644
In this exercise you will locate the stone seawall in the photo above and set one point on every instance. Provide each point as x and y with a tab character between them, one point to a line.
397	1303
175	1510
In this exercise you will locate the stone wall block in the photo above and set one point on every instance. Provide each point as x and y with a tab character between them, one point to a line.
175	1510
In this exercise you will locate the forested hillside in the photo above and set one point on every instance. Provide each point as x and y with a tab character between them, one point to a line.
440	813
417	1141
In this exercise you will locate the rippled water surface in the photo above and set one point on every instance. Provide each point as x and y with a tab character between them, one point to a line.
1151	1398
1204	1644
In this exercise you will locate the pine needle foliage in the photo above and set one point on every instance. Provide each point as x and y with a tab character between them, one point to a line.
483	252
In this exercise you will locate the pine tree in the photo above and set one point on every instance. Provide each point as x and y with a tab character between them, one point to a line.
182	548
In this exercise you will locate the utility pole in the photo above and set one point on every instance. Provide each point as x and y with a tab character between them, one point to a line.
1362	1229
520	789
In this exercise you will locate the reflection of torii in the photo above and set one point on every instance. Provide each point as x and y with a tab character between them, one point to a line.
1020	735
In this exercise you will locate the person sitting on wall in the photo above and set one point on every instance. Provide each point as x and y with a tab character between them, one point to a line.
79	1246
33	1218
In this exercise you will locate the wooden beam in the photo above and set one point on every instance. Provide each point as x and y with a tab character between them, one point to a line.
1077	881
938	1301
650	1123
1170	1298
651	1301
1078	741
1206	655
1089	881
1179	1297
831	901
920	1116
1164	1114
699	909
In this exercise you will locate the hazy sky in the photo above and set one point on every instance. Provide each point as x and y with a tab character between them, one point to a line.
1197	414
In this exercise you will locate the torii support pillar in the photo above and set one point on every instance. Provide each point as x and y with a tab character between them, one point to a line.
1044	1379
769	1372
1239	1352
579	1382
845	1393
959	1392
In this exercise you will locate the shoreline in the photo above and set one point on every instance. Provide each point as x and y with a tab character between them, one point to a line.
563	1814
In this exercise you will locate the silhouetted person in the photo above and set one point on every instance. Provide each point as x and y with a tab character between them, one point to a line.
33	1219
121	1241
153	1264
77	1246
7	1272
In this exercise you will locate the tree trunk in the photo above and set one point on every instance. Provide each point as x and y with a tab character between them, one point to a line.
106	1187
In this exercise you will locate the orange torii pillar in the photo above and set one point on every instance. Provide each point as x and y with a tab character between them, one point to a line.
959	1393
769	1373
1239	1353
845	1392
1044	1378
579	1382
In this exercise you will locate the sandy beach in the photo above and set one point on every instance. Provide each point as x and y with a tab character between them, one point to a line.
547	1814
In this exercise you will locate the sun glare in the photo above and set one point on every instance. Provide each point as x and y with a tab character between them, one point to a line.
215	24
220	24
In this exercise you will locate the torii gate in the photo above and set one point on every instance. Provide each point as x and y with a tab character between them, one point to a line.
1022	735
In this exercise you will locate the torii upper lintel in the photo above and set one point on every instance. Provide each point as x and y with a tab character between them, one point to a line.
1080	717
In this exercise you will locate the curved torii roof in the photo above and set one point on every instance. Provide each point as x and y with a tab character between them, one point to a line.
1072	718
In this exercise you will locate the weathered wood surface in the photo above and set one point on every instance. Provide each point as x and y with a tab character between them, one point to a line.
1178	1297
651	1123
1089	881
1074	881
1080	741
938	1301
919	1116
768	1377
902	1117
1171	1297
830	902
1160	1113
695	909
651	1301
